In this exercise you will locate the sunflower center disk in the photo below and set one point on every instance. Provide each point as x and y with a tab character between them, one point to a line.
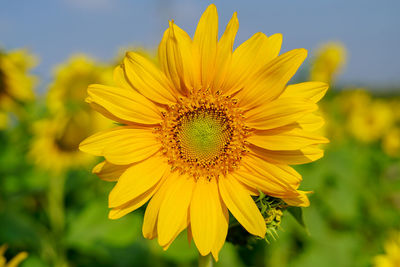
203	135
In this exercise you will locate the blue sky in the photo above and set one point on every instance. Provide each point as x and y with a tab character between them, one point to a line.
56	29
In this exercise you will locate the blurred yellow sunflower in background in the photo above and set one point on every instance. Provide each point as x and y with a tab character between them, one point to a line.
391	258
328	62
14	262
206	132
56	138
371	121
16	84
391	142
353	99
68	89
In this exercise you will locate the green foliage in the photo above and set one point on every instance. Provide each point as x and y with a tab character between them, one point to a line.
297	213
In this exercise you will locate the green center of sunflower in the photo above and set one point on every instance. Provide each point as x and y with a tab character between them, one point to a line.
203	134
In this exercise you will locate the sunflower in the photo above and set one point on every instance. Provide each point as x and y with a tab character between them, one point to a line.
72	78
56	140
371	122
57	137
16	85
328	62
205	132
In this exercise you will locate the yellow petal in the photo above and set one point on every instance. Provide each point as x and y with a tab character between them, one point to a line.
241	205
251	190
205	40
291	157
224	53
189	233
301	200
105	112
313	91
174	208
125	104
148	80
149	228
120	79
183	225
270	81
278	113
257	174
291	139
222	226
117	213
140	146
248	58
15	262
177	60
3	249
274	47
204	209
109	172
311	122
167	57
122	145
136	180
282	172
258	183
135	203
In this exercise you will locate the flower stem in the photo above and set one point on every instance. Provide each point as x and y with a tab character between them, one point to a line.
56	203
56	213
206	261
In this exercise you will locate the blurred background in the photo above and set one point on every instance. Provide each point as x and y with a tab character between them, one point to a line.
53	211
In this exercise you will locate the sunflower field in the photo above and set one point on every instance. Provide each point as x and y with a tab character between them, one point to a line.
55	211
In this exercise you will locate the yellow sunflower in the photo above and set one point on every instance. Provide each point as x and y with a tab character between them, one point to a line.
16	85
72	78
56	138
328	62
205	132
371	122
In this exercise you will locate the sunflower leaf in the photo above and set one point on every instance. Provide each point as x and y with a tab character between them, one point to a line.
297	214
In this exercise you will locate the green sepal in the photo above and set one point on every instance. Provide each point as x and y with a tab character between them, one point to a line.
297	213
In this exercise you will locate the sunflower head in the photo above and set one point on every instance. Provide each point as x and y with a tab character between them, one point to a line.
371	122
328	62
68	89
206	132
57	137
203	135
55	142
16	84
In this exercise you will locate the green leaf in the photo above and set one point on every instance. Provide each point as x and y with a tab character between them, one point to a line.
297	213
92	227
